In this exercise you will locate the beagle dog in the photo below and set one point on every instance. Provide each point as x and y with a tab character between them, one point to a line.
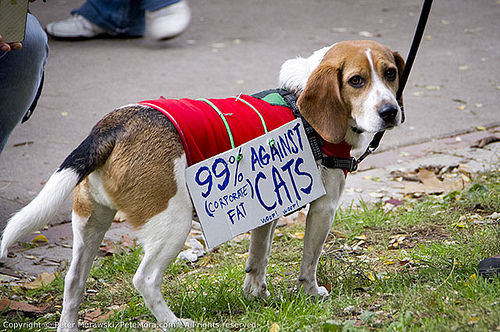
134	161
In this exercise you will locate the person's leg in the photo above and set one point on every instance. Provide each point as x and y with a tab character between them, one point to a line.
158	19
20	76
166	19
152	5
119	17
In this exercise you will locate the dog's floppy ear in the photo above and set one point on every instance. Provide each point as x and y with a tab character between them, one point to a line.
400	63
321	103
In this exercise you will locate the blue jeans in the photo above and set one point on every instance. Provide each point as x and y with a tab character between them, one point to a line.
121	17
21	72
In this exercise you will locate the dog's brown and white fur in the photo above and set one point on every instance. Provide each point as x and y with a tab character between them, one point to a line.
133	161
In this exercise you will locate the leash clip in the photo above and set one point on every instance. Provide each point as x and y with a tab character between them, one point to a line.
369	150
353	166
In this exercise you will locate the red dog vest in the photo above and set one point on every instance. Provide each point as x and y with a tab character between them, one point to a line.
206	133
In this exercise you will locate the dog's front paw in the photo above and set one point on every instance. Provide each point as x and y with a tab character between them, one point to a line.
255	287
313	289
320	292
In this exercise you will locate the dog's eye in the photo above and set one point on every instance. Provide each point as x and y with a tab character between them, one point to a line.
390	74
356	81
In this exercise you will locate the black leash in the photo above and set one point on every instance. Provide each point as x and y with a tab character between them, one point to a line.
419	33
417	38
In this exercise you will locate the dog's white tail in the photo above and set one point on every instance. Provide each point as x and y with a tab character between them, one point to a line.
41	210
91	154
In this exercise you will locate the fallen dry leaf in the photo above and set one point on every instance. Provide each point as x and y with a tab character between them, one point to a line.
339	30
460	224
47	262
301	216
40	239
127	242
366	34
97	315
485	141
404	261
494	216
338	234
432	185
396	241
92	316
107	249
6	304
394	201
298	235
274	327
107	316
283	221
430	181
43	279
292	219
7	278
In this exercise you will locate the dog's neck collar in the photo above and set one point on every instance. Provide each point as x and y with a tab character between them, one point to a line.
347	164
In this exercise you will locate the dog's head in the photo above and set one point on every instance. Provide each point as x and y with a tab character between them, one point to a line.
352	82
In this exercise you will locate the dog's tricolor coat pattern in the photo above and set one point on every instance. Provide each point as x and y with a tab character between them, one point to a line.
134	161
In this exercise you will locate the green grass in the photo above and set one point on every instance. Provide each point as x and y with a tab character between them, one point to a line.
425	281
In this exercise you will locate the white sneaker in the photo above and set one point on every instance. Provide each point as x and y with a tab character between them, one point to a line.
168	22
74	27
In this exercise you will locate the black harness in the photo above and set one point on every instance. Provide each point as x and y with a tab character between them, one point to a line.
349	164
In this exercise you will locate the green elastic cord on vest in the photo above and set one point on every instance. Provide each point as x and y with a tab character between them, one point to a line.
228	129
256	111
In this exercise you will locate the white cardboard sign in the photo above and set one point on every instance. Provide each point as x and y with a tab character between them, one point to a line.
255	183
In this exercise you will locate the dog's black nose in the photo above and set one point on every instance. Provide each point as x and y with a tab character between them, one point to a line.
388	112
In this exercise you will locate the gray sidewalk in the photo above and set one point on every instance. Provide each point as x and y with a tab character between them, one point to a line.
235	46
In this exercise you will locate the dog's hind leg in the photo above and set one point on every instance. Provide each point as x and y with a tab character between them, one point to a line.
90	221
260	248
163	237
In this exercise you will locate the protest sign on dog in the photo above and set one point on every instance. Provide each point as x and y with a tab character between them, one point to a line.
255	183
